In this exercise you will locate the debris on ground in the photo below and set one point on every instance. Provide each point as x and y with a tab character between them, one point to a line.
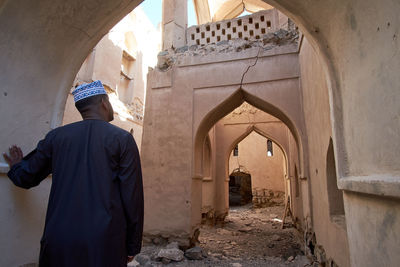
249	237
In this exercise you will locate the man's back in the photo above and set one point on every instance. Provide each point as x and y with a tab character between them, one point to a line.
95	209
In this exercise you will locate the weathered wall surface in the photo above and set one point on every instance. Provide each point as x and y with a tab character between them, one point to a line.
332	236
22	217
266	172
185	94
374	220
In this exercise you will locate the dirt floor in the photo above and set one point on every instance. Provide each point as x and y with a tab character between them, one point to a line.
249	237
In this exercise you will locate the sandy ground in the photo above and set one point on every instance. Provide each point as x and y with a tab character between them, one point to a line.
249	237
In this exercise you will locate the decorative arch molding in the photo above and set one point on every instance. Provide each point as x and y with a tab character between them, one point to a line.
253	128
228	105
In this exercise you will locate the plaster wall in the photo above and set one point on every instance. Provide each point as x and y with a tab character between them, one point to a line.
22	219
374	220
183	96
266	172
330	234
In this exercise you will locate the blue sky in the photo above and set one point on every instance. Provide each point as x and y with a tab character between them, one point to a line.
152	8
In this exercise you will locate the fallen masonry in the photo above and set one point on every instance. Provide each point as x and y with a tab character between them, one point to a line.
248	237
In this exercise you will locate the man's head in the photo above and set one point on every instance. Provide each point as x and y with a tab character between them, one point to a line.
92	101
97	104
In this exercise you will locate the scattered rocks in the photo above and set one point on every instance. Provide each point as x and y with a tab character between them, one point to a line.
173	245
245	229
170	254
195	253
222	231
142	259
244	241
276	238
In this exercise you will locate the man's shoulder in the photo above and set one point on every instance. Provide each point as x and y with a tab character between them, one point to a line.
99	123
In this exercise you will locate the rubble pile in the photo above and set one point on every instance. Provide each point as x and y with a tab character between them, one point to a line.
248	237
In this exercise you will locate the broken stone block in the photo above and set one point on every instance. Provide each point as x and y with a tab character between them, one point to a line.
142	259
195	253
171	254
173	245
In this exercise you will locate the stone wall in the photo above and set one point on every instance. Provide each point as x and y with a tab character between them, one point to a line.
330	234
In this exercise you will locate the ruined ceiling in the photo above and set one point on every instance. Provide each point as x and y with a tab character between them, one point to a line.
215	10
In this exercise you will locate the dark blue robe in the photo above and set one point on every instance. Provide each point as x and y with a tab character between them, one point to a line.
95	210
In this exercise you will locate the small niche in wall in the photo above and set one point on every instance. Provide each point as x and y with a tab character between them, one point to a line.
268	24
208	28
239	22
335	196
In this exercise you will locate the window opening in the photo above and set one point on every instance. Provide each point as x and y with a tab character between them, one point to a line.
270	151
236	151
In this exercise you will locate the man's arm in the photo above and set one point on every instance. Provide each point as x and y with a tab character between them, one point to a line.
29	171
131	188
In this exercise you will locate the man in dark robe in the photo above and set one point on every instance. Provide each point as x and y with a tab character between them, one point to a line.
95	210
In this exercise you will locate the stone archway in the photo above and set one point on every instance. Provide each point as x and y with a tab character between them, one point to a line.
47	43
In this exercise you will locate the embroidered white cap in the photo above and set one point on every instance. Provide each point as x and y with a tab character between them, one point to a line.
87	90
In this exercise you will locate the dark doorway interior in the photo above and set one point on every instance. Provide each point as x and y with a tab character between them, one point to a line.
239	188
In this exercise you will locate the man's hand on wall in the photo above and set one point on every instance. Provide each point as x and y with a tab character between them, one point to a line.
15	156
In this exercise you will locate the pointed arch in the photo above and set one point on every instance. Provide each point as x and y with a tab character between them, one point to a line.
228	105
249	130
